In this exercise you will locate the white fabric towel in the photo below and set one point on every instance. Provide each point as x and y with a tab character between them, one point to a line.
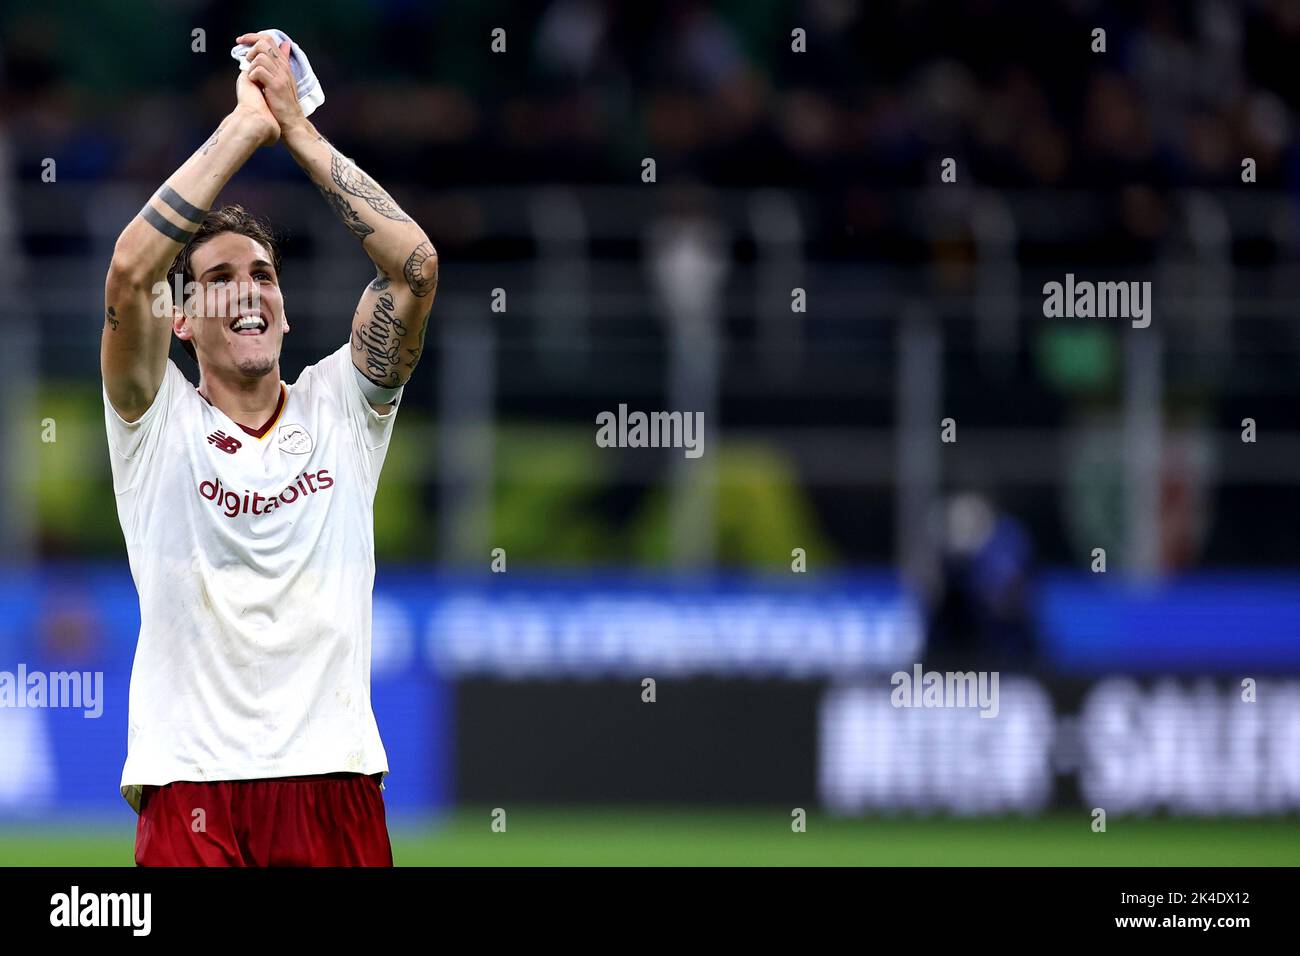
310	92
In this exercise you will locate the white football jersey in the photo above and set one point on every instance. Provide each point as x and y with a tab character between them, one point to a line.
253	555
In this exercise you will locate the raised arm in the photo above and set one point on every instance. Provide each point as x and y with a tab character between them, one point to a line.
391	317
133	349
389	323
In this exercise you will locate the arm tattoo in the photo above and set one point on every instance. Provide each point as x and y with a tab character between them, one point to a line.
414	270
349	178
343	209
381	341
178	202
156	219
381	281
419	343
212	140
112	318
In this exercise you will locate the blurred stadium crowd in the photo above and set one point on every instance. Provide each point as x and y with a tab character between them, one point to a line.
1181	92
1015	90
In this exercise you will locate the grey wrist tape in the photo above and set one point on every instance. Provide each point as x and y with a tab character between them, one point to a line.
376	394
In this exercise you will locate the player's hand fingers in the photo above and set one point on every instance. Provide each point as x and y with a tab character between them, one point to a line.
261	58
275	68
255	61
261	76
258	43
285	48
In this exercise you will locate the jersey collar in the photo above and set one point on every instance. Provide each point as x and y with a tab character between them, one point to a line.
270	422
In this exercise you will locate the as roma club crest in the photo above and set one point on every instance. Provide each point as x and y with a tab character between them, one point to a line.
294	440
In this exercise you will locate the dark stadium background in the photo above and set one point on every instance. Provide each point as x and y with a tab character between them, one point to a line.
776	170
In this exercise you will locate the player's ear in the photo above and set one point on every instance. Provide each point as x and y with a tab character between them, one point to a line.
181	324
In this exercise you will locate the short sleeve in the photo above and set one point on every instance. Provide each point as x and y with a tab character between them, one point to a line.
372	430
132	445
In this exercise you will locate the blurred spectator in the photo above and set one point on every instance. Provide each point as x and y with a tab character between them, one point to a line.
981	615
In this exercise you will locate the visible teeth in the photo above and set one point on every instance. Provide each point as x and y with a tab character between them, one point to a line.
248	322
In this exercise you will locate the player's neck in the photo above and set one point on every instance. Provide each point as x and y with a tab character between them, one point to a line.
246	401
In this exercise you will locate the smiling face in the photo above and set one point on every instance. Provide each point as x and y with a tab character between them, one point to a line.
235	319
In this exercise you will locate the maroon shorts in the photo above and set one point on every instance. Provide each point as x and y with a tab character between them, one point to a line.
334	819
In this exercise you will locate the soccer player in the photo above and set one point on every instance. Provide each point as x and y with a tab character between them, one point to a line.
247	506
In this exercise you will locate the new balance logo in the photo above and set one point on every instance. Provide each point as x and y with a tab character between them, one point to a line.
225	442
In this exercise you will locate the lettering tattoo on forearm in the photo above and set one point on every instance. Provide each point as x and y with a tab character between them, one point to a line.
349	178
380	339
420	284
343	209
111	318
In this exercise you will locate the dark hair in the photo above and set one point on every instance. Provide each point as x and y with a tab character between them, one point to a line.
232	218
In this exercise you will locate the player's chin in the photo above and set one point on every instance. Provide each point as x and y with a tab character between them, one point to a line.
255	355
255	366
